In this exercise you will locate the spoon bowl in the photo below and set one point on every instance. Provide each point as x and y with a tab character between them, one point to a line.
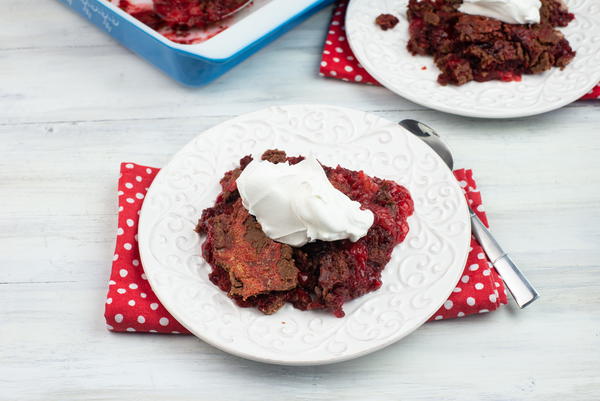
431	138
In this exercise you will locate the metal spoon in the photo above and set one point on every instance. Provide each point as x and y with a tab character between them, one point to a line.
237	10
520	288
243	4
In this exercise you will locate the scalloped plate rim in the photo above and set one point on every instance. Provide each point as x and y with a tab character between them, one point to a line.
164	298
516	113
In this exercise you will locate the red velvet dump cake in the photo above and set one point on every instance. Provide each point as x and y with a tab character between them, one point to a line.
258	272
475	48
175	18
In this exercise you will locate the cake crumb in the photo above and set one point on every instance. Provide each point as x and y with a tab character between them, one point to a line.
386	21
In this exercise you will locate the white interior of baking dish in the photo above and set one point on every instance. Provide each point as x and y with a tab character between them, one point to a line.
246	27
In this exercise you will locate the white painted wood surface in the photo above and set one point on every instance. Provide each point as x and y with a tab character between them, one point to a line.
73	104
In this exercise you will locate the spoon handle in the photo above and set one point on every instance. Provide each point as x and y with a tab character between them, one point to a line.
520	288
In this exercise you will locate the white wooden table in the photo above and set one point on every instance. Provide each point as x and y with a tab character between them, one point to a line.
74	103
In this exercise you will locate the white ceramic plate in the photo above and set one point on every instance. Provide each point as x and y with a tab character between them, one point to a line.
383	54
422	273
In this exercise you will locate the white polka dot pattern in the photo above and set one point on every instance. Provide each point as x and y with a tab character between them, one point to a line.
131	305
337	60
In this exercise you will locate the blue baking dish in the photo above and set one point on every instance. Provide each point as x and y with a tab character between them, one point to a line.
198	64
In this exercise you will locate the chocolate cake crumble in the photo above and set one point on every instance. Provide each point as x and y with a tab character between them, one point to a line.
386	21
474	48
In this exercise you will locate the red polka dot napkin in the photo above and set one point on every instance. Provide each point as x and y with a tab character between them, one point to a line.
338	60
132	306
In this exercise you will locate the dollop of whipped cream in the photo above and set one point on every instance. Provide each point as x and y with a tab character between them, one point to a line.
296	204
509	11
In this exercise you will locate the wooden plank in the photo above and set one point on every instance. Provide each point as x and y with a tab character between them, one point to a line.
55	346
